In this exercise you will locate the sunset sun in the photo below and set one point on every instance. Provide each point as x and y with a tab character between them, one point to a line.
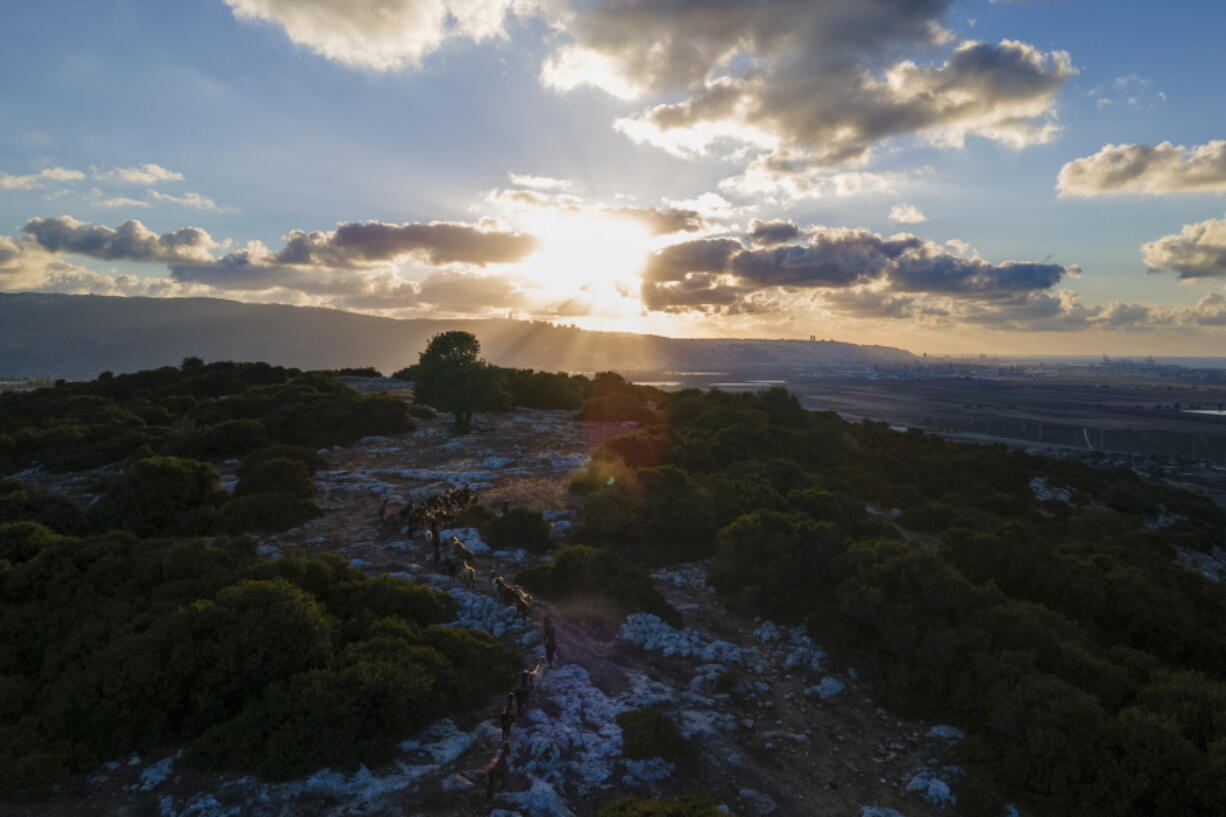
598	255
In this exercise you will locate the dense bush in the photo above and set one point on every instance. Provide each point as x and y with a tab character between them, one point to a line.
264	513
276	475
1087	666
542	390
225	439
584	574
116	645
160	495
517	528
201	411
22	541
648	733
352	371
780	555
474	515
616	408
655	515
19	502
254	461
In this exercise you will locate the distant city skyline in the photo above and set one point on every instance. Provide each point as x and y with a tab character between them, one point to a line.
1008	178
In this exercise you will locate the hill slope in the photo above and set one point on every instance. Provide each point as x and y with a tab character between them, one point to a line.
76	336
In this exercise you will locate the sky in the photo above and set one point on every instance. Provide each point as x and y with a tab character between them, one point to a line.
948	177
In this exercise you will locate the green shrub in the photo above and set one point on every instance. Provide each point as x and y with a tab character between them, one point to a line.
474	516
648	733
689	805
115	644
726	682
422	412
582	573
517	528
160	495
228	439
20	503
655	516
279	475
264	513
22	541
542	390
253	461
617	408
782	555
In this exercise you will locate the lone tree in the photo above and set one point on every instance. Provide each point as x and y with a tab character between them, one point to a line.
452	377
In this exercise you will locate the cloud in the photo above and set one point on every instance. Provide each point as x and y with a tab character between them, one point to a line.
130	241
465	293
907	214
674	219
99	199
27	267
254	273
1158	170
783	178
33	181
663	222
1210	310
351	267
869	304
193	200
1196	251
710	206
546	183
141	174
819	80
703	255
770	233
436	243
380	35
717	274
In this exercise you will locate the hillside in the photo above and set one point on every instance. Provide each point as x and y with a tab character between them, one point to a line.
787	612
79	336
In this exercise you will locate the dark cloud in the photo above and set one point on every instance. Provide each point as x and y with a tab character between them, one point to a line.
437	243
723	271
697	291
675	261
130	241
770	233
949	274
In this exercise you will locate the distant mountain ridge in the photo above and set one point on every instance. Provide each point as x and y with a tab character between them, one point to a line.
78	336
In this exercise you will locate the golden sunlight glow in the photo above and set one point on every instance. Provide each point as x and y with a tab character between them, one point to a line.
591	258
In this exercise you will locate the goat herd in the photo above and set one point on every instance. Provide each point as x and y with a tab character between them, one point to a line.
434	514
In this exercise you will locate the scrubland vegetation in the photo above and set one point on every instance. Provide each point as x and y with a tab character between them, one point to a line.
116	644
1033	602
1088	668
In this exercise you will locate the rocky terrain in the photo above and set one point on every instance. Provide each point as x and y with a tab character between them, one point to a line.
774	725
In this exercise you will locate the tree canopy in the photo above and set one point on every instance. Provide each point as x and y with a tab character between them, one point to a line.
451	376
